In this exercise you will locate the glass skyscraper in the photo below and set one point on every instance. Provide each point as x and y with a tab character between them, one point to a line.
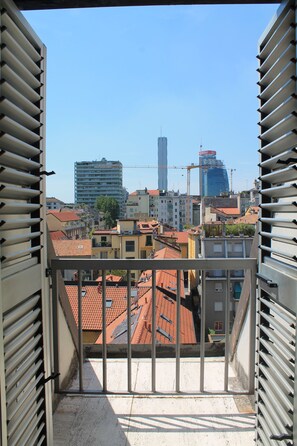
213	178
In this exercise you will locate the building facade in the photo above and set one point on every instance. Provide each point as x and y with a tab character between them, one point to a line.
95	178
162	164
213	177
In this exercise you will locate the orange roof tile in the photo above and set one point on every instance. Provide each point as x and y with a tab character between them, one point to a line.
65	215
73	248
58	235
92	304
249	219
167	253
110	278
141	314
229	211
141	317
179	236
154	192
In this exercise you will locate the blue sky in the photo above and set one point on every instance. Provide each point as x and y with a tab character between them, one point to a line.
117	76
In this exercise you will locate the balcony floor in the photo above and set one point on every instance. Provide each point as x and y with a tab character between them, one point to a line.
154	419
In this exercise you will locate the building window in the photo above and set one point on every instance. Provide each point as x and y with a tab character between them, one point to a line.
148	240
108	303
218	306
236	291
237	247
103	255
130	246
218	247
103	238
218	287
218	326
143	254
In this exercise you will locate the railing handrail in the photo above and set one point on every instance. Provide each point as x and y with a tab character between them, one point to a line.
235	263
200	264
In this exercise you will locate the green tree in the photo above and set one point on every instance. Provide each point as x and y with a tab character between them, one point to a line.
110	209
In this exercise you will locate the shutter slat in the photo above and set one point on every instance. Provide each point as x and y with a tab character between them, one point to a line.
17	146
14	240
17	162
20	37
15	112
7	256
17	208
19	99
17	192
17	223
13	176
14	63
19	83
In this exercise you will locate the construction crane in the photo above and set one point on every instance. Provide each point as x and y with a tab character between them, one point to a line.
231	179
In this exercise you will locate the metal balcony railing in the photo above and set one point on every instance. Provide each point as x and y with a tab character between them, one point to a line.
202	266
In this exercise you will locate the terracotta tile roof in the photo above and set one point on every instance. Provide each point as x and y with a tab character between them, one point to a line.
179	236
110	278
73	248
249	219
65	215
165	321
58	235
141	314
154	192
229	211
167	253
141	318
92	304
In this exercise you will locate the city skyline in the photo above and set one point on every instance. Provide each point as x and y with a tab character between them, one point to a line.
128	82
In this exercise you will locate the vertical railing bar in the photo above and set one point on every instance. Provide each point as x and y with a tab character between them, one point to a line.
104	346
202	333
129	351
252	336
227	329
55	322
153	331
80	339
177	345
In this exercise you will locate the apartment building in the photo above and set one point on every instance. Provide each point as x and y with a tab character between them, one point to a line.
168	207
95	178
69	222
172	209
205	244
52	203
130	240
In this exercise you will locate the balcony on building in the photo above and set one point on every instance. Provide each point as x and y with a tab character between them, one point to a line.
170	382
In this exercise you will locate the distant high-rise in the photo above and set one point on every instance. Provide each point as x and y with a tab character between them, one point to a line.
95	178
213	178
162	163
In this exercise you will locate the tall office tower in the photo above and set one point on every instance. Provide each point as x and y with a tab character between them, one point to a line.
95	178
162	163
213	178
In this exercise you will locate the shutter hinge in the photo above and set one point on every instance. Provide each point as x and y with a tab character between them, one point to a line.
48	272
44	172
54	375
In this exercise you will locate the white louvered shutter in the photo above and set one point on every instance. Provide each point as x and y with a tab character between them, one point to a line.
277	302
25	403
